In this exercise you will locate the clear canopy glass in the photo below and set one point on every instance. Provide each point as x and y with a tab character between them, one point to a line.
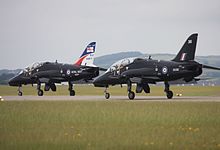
120	64
32	66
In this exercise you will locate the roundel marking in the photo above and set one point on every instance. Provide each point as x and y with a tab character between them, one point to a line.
68	72
164	70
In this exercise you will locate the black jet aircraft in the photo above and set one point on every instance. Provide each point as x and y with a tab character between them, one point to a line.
182	69
50	73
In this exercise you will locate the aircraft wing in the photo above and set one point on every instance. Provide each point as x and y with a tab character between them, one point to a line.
137	72
82	81
148	79
182	81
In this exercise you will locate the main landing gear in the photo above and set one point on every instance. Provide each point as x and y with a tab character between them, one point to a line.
131	94
39	91
19	91
49	86
167	90
72	92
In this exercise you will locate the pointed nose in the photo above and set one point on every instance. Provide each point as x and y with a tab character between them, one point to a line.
99	82
14	81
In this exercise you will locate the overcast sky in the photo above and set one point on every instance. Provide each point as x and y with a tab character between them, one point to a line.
46	30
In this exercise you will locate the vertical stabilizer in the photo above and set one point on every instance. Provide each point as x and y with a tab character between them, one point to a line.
87	57
187	52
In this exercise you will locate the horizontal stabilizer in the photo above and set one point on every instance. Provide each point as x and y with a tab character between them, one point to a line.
210	67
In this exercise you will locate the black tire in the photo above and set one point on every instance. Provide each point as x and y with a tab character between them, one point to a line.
19	93
107	95
139	88
169	94
40	93
46	87
146	88
53	87
72	93
131	95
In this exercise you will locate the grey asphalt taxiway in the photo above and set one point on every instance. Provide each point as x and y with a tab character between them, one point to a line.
101	98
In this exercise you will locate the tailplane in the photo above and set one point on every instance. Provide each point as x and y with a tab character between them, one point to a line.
87	57
187	52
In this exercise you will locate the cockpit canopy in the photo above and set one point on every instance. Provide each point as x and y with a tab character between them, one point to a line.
31	67
120	64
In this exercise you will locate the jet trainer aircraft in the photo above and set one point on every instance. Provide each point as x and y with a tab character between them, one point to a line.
52	72
182	69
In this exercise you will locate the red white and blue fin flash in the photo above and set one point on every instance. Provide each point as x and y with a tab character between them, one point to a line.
87	58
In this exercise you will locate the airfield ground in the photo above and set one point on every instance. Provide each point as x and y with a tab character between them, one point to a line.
84	90
188	122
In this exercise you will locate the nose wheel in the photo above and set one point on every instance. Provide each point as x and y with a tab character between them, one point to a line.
131	95
107	95
39	92
19	91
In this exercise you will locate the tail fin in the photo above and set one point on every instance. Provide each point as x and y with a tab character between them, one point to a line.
87	57
187	52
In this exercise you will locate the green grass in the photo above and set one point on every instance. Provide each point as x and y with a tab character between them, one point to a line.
109	125
116	90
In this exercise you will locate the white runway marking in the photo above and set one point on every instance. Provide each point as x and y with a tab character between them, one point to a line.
101	98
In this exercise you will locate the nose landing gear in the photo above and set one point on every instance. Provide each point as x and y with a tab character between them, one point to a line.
131	94
40	92
19	91
107	95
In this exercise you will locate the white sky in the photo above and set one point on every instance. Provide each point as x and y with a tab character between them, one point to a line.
46	30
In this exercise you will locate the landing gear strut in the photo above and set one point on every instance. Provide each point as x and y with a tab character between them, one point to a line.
19	91
72	92
167	90
131	94
40	92
107	95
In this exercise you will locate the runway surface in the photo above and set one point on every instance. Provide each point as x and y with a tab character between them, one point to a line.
113	98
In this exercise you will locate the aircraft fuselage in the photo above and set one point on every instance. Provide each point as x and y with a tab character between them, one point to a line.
54	73
150	71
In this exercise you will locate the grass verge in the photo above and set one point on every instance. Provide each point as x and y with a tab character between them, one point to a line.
109	125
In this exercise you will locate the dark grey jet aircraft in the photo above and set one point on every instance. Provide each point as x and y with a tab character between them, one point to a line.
52	72
182	69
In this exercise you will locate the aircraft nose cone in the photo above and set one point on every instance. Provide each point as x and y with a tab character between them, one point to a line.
13	81
98	82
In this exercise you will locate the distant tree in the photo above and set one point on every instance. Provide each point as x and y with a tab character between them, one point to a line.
4	78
